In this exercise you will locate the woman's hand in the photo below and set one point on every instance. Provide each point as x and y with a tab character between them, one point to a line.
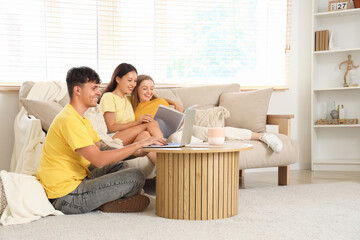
178	107
145	118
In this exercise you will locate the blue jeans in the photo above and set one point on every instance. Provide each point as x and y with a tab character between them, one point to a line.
105	184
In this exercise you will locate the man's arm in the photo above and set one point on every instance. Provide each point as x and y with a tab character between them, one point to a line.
103	146
102	158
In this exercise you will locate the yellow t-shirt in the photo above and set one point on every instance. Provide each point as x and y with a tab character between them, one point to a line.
61	169
122	107
149	107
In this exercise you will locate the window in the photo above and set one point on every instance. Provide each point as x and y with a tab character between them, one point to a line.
174	41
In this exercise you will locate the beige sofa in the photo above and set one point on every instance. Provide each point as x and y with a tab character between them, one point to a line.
247	110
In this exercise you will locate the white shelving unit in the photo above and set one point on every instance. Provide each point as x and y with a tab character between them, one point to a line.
335	147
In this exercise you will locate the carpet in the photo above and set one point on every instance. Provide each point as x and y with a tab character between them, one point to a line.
313	211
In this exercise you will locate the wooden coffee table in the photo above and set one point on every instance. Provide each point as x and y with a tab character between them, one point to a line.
198	183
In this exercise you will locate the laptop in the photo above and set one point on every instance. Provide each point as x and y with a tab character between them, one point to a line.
169	120
187	130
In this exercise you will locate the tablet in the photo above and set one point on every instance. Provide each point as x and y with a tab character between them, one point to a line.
169	120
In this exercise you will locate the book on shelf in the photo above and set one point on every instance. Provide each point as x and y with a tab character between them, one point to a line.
326	40
317	41
322	40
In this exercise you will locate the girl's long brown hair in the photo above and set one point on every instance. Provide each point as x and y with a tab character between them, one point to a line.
135	93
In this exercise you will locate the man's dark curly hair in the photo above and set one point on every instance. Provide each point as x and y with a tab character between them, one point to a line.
78	76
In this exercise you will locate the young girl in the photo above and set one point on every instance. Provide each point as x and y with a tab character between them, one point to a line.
119	114
145	102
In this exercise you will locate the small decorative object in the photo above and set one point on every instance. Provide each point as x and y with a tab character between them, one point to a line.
331	42
216	136
341	111
356	3
334	114
337	121
330	105
339	5
350	66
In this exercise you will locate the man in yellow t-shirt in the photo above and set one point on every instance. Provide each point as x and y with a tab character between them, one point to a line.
78	171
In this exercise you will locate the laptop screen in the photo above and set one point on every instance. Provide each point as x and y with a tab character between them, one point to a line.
188	125
169	120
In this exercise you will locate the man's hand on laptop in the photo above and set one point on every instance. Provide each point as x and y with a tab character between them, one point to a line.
147	142
153	140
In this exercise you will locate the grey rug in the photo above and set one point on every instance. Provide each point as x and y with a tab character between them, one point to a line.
314	211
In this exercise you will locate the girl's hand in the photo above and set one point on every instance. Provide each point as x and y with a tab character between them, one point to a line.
178	107
145	118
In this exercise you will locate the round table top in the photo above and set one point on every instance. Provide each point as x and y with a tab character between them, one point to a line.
203	148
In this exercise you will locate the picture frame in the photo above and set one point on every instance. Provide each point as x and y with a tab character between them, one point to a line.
337	5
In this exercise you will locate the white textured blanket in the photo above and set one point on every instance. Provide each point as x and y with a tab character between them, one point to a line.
28	132
95	115
26	199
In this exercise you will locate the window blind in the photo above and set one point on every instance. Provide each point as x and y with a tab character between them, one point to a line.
174	41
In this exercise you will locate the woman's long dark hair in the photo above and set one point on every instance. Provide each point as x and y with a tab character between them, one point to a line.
135	93
120	71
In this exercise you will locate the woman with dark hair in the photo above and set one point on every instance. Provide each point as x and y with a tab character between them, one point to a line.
119	114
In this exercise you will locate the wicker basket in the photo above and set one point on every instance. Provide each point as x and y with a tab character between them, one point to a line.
337	121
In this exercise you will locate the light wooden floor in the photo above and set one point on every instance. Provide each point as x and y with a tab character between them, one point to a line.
297	177
268	179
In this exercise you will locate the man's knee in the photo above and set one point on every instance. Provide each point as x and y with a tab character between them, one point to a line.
137	179
137	175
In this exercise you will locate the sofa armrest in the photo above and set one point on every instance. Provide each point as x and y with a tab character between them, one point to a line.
283	121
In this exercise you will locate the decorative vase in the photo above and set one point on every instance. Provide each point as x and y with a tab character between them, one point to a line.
330	107
356	3
334	114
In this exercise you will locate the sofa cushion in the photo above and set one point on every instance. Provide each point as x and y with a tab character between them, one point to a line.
211	117
247	109
168	94
262	156
25	89
65	100
204	96
43	110
96	117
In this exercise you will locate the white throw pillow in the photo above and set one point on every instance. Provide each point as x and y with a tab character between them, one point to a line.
211	117
3	202
27	200
96	117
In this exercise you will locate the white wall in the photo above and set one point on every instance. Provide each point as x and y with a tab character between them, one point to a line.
9	107
295	101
